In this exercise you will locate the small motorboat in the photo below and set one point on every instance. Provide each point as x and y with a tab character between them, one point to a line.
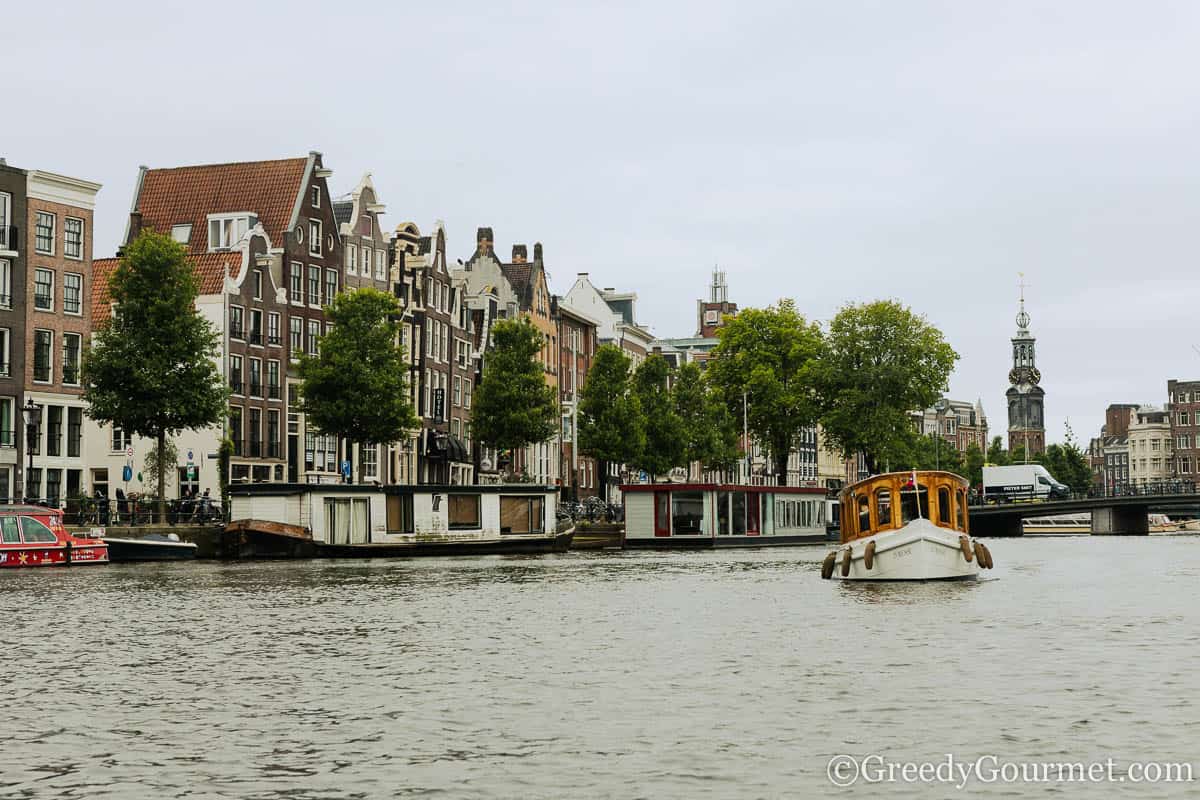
151	547
34	536
906	526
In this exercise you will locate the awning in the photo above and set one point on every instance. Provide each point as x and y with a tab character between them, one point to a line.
444	447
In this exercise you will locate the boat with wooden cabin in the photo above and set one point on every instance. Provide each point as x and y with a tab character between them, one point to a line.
362	521
906	526
702	515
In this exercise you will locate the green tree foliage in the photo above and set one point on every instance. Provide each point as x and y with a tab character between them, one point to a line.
997	456
973	464
769	356
513	406
356	387
881	362
664	445
710	433
170	456
151	369
611	426
1069	465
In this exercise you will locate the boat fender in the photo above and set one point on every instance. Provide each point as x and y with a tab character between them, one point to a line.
869	555
846	563
988	555
979	554
828	564
964	544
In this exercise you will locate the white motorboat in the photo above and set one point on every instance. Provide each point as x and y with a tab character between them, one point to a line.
906	526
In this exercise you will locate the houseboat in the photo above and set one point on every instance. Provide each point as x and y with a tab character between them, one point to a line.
34	536
356	521
906	526
698	515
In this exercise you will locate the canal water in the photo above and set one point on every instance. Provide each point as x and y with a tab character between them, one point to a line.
711	674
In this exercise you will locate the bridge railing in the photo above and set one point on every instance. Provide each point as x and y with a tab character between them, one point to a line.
1173	486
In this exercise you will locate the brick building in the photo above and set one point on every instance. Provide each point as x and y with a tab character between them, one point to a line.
577	345
1183	405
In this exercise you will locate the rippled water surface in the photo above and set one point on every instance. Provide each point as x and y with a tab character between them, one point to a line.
717	674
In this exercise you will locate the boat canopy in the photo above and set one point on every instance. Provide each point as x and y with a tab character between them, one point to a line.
890	501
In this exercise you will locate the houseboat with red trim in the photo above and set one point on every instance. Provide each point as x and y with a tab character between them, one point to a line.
34	536
702	515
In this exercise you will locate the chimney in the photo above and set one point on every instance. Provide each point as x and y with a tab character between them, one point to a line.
135	224
537	251
520	254
483	240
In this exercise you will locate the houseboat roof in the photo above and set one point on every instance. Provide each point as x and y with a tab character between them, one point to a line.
359	488
720	487
903	475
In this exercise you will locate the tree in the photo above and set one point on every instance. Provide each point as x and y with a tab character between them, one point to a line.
151	369
997	456
881	362
356	386
611	426
513	406
710	433
973	464
763	367
664	446
170	456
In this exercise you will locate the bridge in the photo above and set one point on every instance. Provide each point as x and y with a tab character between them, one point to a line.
1124	513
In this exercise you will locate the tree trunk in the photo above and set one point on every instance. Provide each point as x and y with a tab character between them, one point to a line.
162	474
602	469
781	447
869	463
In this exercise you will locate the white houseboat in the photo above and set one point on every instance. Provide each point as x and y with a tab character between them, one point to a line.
347	520
682	515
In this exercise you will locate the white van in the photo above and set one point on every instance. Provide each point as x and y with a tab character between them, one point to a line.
1021	482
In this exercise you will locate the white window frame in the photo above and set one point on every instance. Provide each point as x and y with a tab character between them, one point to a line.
297	271
78	358
366	261
6	352
182	232
6	269
351	259
53	231
67	275
35	284
230	228
50	356
314	237
316	196
66	241
5	220
381	265
118	440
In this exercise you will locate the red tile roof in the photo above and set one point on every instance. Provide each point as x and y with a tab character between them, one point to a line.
181	195
209	266
102	270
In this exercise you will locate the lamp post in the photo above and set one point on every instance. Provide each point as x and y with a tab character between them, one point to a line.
33	418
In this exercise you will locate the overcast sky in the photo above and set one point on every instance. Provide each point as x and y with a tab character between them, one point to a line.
830	152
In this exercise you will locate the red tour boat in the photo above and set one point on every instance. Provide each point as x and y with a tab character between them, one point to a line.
34	536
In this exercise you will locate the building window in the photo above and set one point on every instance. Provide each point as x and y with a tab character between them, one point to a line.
272	434
457	391
366	261
182	233
1183	418
43	346
258	284
297	282
5	352
467	394
316	197
351	259
235	429
74	431
8	433
5	282
235	374
54	431
314	237
73	238
314	336
370	461
296	332
43	290
73	293
314	285
119	440
43	233
1185	466
256	388
5	222
273	328
237	322
254	432
224	231
256	333
381	265
331	285
71	353
273	380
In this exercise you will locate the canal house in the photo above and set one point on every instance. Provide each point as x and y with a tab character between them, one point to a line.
665	515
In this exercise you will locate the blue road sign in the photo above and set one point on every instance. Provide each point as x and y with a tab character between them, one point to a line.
126	473
346	470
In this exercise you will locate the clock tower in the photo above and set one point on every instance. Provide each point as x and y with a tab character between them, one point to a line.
1026	400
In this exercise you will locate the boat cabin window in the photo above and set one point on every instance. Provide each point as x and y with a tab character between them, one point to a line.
35	531
864	514
962	509
521	514
943	503
883	507
10	533
347	520
687	513
739	514
722	513
914	504
464	511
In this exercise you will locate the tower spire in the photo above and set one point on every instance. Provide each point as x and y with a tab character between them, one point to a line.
1022	315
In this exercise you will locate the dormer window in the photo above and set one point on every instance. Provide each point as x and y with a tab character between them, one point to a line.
181	233
226	230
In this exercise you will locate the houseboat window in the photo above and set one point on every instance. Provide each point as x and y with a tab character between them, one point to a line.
687	513
521	514
962	509
864	514
346	520
883	507
464	511
400	513
943	494
821	512
752	525
914	503
9	531
36	532
723	513
739	513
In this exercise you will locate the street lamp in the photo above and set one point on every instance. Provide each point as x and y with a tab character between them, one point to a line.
33	419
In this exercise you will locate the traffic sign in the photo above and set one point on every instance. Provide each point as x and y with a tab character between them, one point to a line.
129	451
190	458
126	473
346	470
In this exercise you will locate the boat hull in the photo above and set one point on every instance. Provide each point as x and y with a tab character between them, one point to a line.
920	551
130	550
52	555
505	545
